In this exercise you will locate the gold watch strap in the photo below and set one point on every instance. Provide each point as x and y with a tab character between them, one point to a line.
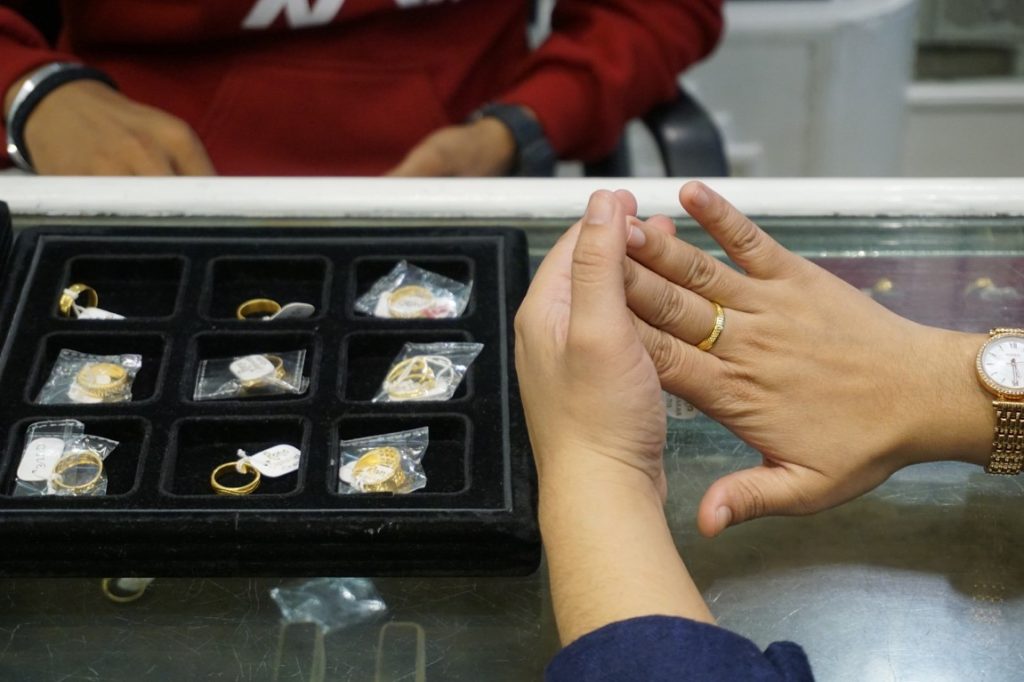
1008	442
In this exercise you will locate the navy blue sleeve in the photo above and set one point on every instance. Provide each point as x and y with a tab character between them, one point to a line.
664	649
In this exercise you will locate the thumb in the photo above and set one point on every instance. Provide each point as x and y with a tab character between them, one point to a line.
597	266
764	490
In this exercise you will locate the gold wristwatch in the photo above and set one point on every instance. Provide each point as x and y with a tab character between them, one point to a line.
1000	366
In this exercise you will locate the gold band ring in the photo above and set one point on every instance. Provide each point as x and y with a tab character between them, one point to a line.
245	489
716	331
70	296
102	378
257	306
77	459
410	378
410	301
379	471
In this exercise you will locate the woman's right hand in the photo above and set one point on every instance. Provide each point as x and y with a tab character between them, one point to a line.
835	391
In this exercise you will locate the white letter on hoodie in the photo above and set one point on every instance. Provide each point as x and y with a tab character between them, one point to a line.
297	13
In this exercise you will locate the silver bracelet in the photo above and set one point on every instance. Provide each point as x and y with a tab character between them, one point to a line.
30	83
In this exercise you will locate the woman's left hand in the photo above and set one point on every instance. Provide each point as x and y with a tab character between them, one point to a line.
591	393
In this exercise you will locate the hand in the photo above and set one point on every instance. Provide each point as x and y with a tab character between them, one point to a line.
589	388
835	391
481	148
87	128
597	425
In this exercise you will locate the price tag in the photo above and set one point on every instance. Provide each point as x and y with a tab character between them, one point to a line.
252	368
677	408
345	473
293	311
276	461
39	458
98	314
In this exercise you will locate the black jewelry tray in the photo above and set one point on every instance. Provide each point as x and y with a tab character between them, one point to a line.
179	289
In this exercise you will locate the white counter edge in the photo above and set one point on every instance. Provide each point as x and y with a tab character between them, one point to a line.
490	198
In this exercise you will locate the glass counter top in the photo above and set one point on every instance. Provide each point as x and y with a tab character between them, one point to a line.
921	579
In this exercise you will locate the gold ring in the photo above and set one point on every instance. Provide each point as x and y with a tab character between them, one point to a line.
379	471
410	378
119	596
257	306
279	373
409	301
77	459
716	331
883	286
102	378
979	284
66	304
245	489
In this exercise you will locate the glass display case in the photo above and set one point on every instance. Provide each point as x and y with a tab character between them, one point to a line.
919	579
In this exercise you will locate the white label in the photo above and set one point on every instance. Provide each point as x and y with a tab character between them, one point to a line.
293	311
39	458
252	368
277	461
345	473
677	408
98	314
80	395
375	474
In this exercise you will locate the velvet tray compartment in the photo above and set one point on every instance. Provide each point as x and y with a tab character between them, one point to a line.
178	289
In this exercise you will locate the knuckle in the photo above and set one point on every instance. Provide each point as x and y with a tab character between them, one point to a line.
519	324
667	358
670	309
747	237
176	133
701	271
588	261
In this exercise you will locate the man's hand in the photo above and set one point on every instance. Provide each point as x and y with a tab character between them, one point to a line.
835	391
482	148
87	128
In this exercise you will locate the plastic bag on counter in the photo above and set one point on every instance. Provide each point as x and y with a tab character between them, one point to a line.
249	376
388	463
59	458
410	292
427	371
81	378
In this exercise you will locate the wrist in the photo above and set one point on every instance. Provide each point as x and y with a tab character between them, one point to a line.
532	154
497	147
580	476
953	417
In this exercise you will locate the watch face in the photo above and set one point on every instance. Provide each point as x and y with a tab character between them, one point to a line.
1001	364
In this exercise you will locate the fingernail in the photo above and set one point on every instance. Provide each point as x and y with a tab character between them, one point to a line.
636	237
600	209
701	198
723	517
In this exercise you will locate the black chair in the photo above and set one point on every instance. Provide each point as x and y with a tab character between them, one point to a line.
688	143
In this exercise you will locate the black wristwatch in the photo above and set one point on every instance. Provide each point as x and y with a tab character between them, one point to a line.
534	156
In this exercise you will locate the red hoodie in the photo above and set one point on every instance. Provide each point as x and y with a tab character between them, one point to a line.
347	87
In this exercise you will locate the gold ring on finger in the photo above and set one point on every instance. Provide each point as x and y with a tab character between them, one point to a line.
716	331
